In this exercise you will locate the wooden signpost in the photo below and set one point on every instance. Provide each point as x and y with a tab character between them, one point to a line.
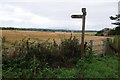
83	27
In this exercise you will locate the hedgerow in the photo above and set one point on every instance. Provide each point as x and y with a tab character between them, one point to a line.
44	59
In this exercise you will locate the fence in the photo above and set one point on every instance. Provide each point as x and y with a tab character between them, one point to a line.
101	46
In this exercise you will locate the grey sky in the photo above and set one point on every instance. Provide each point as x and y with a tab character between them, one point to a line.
56	14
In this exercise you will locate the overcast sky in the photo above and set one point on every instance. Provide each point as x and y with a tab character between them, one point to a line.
56	14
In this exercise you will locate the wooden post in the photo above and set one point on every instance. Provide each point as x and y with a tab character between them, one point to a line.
91	45
106	47
83	30
83	27
103	48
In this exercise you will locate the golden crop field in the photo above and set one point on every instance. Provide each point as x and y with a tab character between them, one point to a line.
13	35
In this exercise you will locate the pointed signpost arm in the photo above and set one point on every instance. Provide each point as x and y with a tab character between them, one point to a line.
77	16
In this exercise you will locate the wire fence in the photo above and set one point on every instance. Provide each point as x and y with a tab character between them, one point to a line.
100	46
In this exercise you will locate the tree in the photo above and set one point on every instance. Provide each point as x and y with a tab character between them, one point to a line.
115	31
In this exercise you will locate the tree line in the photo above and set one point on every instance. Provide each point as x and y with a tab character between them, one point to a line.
41	29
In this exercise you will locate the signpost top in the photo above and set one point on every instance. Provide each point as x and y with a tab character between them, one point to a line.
80	16
84	11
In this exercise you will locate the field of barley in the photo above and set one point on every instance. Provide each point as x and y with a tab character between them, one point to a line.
13	35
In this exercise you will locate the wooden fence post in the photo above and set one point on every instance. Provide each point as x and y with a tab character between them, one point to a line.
103	48
106	46
91	45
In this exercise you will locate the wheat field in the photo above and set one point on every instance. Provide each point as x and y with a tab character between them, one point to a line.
13	35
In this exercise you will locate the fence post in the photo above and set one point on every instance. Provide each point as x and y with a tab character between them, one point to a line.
103	48
91	45
106	46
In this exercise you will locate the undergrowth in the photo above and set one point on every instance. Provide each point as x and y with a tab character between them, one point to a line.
44	59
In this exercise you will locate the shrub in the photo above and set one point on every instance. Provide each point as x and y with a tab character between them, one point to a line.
115	42
115	31
70	48
51	53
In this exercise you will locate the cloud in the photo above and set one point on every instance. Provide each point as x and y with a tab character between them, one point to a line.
17	14
85	1
56	13
11	15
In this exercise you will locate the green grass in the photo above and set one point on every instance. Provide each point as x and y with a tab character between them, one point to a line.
105	67
99	67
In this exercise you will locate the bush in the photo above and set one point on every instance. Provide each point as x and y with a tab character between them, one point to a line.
115	31
115	43
34	56
70	48
53	54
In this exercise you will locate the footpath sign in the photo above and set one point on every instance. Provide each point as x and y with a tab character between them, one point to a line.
83	27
